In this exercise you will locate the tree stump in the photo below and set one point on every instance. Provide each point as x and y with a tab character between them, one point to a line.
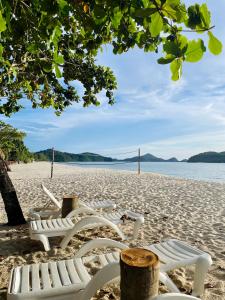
139	274
69	203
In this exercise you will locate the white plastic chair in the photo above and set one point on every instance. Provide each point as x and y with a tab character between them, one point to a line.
173	254
42	230
175	296
46	212
66	279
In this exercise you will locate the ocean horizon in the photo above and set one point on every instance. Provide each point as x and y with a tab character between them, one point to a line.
214	172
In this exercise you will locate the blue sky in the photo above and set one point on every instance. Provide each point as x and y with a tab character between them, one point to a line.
152	112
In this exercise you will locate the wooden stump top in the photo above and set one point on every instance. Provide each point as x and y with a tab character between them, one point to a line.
70	197
139	257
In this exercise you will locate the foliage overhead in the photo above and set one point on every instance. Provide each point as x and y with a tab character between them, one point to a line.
11	144
47	46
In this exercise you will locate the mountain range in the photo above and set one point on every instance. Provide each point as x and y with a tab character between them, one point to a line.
59	156
46	155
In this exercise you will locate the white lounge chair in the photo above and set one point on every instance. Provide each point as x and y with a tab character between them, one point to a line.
53	212
175	296
67	279
42	230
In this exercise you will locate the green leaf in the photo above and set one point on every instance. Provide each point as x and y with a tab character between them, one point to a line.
195	50
47	66
117	16
166	60
171	47
156	24
215	46
205	15
56	35
58	59
173	2
32	48
144	12
1	50
57	71
145	3
98	12
176	69
62	4
2	23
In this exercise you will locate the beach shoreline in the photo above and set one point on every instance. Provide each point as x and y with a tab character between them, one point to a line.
189	210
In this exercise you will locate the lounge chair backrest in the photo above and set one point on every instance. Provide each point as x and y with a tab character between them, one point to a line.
175	296
54	200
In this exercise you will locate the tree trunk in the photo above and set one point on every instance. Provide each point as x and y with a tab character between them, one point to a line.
139	274
69	204
12	206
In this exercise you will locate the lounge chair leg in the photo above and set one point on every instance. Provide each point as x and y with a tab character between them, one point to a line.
201	269
44	240
137	225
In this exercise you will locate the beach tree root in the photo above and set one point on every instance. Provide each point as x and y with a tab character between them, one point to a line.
10	199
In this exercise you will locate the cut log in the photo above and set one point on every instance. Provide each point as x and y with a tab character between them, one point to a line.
139	274
69	203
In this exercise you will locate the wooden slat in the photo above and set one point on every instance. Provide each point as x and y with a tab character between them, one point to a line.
56	281
25	282
35	277
45	277
72	271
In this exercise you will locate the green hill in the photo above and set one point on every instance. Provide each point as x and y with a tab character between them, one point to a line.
150	158
46	155
208	157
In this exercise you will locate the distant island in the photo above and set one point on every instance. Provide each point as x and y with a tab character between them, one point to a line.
46	155
150	158
208	157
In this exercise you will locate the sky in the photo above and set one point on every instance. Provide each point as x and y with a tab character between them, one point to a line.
153	113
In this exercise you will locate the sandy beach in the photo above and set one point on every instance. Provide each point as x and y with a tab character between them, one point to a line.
192	211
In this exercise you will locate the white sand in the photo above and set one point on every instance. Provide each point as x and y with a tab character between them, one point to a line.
189	210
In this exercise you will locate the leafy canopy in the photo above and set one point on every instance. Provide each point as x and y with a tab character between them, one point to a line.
11	143
49	45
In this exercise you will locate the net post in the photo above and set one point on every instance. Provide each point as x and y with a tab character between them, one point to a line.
139	161
52	164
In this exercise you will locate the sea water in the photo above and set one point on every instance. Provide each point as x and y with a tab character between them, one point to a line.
197	171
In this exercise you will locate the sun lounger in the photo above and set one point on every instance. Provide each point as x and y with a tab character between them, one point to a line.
69	279
42	230
175	296
53	212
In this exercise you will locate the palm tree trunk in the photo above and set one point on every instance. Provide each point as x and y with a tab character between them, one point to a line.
12	206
